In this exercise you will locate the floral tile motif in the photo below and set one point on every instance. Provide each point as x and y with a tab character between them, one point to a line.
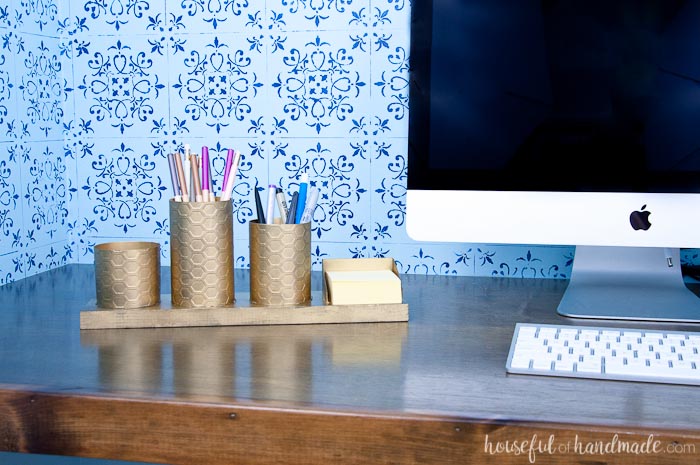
34	183
390	53
216	84
217	15
7	16
429	259
40	14
79	236
47	191
123	18
389	171
47	257
8	90
516	261
319	84
319	15
11	267
41	87
391	14
120	87
360	249
522	261
11	222
124	188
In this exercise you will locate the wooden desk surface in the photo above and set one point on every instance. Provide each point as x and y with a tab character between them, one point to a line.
433	390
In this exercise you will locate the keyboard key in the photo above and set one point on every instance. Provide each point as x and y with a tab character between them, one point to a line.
520	362
564	365
588	366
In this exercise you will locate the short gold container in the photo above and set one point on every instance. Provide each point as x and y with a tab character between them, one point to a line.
127	274
280	264
201	254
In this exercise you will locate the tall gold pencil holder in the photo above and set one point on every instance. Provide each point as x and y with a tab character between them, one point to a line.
127	274
280	264
201	254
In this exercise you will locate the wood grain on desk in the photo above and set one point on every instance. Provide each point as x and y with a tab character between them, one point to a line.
426	391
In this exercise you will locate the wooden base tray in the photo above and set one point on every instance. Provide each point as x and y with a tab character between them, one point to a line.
242	314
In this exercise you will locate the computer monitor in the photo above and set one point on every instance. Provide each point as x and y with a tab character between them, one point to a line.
563	122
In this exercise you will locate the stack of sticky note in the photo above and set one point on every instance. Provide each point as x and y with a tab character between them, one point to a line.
362	284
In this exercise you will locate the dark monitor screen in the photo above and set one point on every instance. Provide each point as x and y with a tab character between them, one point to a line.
555	95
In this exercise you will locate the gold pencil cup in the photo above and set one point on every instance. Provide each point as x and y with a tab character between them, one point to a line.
201	254
280	264
127	274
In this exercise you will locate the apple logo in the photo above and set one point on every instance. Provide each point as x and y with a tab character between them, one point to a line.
640	219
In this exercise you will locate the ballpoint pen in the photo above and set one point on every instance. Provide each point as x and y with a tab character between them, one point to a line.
258	206
282	204
293	208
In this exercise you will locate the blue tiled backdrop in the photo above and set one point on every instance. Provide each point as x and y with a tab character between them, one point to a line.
94	94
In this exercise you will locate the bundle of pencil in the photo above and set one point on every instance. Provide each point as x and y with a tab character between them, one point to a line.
189	169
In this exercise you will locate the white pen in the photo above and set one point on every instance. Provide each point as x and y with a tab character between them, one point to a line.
271	196
205	179
228	188
212	195
188	172
310	205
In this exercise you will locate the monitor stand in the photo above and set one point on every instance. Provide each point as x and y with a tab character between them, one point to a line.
628	283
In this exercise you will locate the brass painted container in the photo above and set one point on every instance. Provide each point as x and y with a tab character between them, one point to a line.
280	264
127	274
201	254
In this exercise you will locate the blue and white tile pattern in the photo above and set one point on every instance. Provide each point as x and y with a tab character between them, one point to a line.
95	93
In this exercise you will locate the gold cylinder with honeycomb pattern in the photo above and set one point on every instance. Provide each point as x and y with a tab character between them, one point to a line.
127	274
201	254
280	264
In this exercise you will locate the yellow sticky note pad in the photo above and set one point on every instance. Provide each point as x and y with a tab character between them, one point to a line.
349	287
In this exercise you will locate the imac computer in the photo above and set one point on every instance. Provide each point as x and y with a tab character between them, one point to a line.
563	122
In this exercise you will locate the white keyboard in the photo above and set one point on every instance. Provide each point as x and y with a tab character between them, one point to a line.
605	353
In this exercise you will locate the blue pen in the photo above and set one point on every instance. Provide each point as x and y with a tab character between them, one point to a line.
308	214
301	203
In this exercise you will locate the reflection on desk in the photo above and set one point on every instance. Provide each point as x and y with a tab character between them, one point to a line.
263	362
